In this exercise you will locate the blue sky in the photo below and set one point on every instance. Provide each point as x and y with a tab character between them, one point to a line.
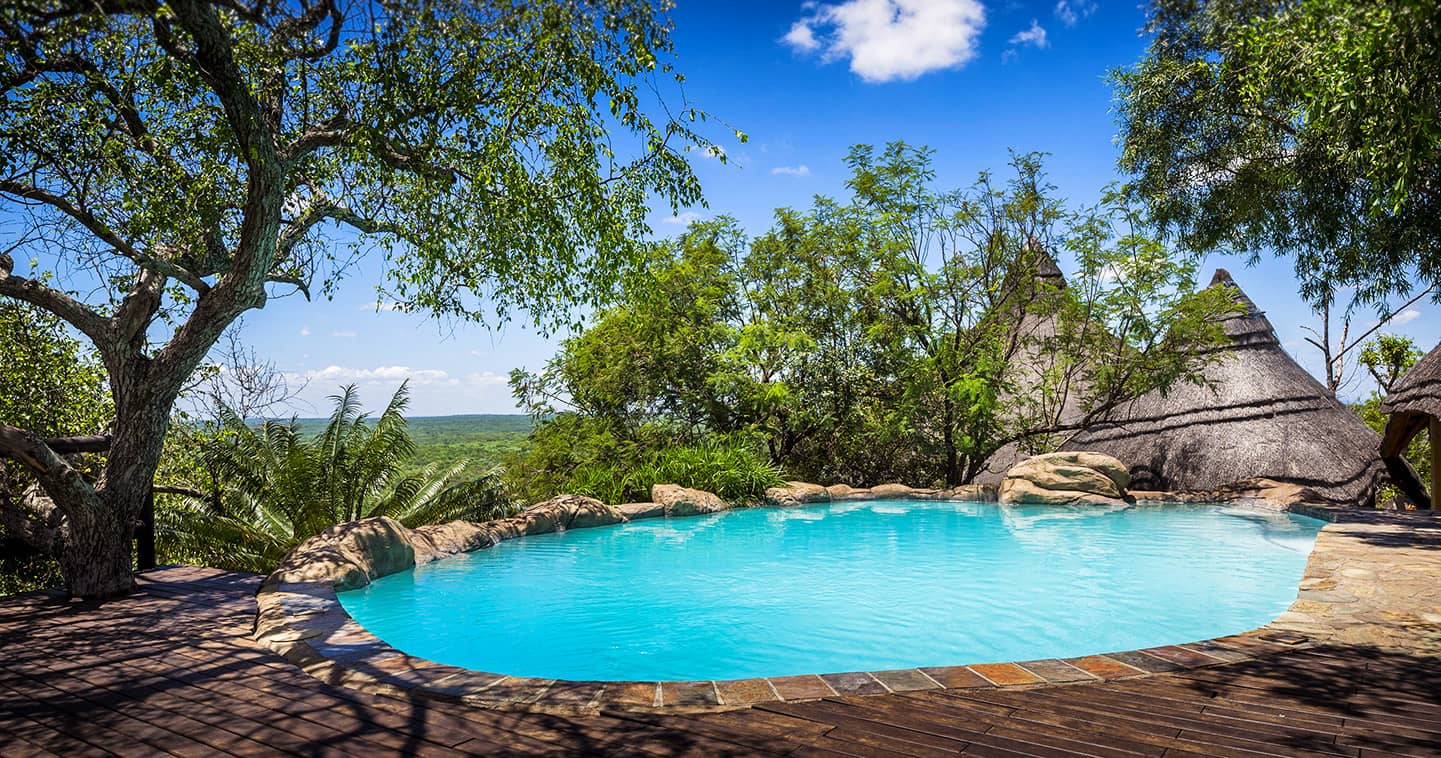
970	78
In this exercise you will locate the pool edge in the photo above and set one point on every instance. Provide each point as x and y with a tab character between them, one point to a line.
305	622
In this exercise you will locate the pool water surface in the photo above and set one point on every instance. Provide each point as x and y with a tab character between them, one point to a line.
858	586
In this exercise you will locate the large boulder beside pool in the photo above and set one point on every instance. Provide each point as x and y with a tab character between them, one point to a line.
349	555
568	512
440	540
684	501
797	493
1066	478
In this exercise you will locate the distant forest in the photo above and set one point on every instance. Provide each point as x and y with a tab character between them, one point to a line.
483	439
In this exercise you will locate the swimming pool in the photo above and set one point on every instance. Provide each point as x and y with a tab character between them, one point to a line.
843	587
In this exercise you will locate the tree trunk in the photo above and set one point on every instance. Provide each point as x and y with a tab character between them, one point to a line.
95	552
95	555
1433	435
953	458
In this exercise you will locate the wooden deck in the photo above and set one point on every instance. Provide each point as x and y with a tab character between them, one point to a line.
172	670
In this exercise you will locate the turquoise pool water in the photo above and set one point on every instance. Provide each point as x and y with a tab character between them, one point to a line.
843	587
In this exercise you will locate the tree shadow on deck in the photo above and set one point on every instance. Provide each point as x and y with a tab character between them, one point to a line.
172	669
1340	698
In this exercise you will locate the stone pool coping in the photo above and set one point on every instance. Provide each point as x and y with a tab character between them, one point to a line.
1373	578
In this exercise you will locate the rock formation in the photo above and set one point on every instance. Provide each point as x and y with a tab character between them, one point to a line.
1066	478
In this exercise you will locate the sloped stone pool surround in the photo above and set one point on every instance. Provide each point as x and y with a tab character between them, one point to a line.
301	618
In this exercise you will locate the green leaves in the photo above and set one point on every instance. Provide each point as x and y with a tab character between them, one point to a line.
279	485
1388	357
49	383
1310	129
905	333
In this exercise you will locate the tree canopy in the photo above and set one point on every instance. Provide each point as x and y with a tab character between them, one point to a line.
1311	128
169	166
904	333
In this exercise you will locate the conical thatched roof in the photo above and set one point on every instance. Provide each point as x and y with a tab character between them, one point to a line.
1419	391
1263	416
1413	402
1030	365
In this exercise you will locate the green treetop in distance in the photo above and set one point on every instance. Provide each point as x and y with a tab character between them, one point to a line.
199	155
1312	128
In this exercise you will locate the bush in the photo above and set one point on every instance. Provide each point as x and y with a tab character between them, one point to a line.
730	468
281	486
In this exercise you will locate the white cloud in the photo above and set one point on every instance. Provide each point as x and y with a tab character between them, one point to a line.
801	37
336	375
682	219
801	170
1070	12
1034	36
1406	317
711	151
305	331
486	379
344	334
889	40
432	391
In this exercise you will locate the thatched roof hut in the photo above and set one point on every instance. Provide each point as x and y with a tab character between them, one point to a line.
1030	365
1262	417
1414	405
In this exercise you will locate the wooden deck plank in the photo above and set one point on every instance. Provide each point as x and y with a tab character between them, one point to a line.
171	670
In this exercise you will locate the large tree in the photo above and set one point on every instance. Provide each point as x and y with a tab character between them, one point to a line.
169	166
1311	128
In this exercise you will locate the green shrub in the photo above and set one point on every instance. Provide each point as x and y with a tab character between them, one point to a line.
281	486
730	468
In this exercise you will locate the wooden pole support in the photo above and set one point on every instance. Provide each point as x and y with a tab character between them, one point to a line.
145	538
1435	433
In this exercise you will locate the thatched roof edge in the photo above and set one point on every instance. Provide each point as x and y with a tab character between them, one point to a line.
1419	391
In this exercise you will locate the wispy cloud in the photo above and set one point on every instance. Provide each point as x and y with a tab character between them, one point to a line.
890	40
344	334
486	379
1035	37
682	219
305	331
432	391
801	170
1070	12
334	375
1406	317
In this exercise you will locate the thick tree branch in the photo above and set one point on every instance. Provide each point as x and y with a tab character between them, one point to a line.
74	312
328	133
104	233
66	445
165	489
287	32
60	480
324	209
140	305
215	58
88	220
